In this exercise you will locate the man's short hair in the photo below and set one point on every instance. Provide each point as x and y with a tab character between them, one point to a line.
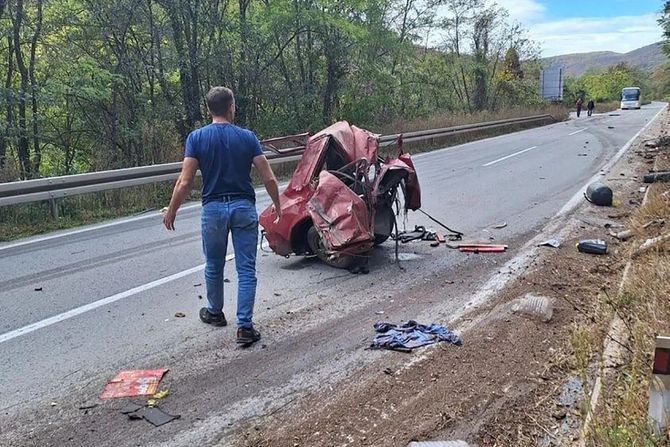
219	100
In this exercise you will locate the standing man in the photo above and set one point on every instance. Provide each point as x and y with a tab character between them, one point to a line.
590	106
579	106
224	154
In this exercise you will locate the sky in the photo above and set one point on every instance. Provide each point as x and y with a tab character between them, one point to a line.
579	26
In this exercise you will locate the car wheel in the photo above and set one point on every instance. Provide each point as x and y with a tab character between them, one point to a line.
381	238
317	247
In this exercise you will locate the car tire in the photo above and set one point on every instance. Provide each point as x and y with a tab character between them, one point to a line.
316	245
381	238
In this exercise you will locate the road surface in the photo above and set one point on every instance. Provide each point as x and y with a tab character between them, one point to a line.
79	305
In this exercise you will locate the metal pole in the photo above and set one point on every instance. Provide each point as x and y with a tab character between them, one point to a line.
53	208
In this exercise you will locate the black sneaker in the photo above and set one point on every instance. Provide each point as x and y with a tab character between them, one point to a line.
247	335
215	320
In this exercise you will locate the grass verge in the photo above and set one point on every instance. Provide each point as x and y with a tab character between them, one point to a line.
644	307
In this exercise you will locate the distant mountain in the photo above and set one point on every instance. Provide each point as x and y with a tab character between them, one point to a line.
647	58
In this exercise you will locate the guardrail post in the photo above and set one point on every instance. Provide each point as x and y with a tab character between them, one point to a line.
659	394
53	208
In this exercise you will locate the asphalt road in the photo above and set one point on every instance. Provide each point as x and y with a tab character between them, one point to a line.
77	306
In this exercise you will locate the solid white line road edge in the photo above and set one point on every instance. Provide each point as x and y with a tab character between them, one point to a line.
99	303
87	229
149	215
572	203
509	156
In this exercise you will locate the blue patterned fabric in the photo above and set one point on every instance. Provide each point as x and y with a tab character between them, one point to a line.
411	335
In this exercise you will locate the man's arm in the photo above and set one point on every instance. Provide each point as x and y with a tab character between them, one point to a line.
181	190
271	186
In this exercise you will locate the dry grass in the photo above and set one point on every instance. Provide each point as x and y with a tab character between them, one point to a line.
559	112
609	106
645	309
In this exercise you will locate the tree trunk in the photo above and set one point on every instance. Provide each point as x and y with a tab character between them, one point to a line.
33	89
191	104
23	146
242	94
4	139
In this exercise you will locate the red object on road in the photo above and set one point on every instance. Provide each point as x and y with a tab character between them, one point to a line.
481	248
339	201
130	383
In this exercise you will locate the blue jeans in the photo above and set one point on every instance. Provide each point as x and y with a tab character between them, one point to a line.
218	219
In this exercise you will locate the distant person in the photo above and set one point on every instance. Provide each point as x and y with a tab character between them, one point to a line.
579	106
224	154
590	106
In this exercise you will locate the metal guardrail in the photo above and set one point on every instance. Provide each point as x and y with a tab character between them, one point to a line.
51	188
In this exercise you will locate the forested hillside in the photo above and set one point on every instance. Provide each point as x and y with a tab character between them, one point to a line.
649	57
89	85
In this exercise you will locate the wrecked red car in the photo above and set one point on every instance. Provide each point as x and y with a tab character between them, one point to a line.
339	202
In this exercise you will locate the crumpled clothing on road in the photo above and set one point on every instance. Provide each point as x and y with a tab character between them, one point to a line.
410	335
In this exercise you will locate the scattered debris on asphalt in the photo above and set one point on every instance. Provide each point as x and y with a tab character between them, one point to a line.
161	394
226	280
592	246
599	194
554	243
420	233
154	415
38	289
88	406
158	417
582	155
410	335
536	306
654	177
482	248
610	127
197	285
179	315
131	407
500	225
133	383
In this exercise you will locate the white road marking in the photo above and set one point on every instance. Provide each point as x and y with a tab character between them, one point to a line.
89	228
579	196
509	156
259	191
577	131
102	302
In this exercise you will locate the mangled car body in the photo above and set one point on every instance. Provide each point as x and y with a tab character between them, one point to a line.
339	201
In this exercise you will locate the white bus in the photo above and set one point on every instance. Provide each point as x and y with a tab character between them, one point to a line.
630	98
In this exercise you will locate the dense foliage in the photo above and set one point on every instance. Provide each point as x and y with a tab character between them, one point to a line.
606	85
90	84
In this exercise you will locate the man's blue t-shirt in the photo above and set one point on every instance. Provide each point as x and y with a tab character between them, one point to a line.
225	153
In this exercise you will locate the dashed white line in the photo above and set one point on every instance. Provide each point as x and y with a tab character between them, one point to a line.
509	156
577	131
